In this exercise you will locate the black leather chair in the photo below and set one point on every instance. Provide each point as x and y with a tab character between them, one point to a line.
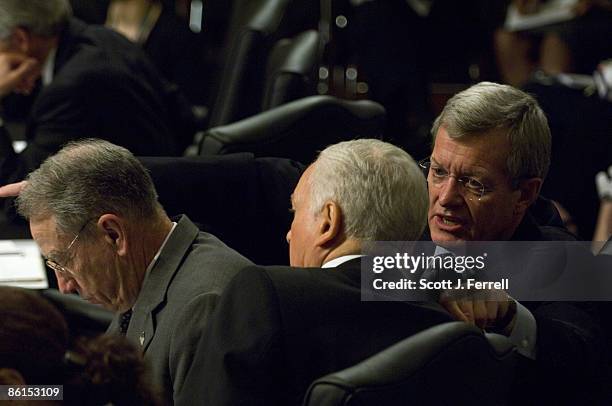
242	200
291	71
297	130
252	33
449	364
83	318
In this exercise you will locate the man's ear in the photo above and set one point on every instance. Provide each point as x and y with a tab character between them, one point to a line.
329	223
529	190
114	231
9	376
21	40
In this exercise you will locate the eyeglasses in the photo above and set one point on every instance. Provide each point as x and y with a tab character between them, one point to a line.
60	268
471	186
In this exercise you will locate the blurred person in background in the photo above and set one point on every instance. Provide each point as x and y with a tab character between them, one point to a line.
87	81
35	349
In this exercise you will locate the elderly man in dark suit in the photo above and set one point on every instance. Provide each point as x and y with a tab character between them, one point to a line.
94	213
277	329
94	83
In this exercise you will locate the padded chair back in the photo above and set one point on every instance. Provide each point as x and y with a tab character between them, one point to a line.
449	364
83	318
251	37
242	200
298	130
291	70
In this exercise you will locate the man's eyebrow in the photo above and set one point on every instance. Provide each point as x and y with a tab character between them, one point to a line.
53	254
478	172
475	171
434	161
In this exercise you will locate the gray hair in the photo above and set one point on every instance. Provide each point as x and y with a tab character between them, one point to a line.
490	106
42	17
86	179
380	189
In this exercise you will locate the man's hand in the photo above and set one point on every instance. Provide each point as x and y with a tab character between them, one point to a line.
12	189
491	310
18	73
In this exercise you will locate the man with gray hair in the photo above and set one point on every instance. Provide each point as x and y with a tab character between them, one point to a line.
94	213
490	156
88	81
277	329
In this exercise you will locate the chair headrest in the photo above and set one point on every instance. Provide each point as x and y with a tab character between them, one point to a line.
455	358
298	130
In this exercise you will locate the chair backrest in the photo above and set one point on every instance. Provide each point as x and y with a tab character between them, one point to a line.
298	130
449	364
251	37
242	200
83	318
291	70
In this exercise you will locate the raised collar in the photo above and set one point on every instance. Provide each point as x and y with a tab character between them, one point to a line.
157	280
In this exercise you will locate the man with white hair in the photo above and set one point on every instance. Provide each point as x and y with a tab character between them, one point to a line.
277	329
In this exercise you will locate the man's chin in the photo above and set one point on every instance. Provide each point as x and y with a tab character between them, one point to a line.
104	305
440	236
91	300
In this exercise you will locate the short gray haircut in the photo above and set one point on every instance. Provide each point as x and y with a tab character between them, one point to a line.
490	106
379	187
42	17
86	179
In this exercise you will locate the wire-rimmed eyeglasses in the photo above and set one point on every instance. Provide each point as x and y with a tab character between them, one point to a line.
60	268
437	176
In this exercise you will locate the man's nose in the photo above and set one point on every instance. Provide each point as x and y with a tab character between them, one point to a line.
288	237
66	285
450	193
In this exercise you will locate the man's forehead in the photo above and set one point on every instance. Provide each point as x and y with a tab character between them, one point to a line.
44	233
482	151
301	185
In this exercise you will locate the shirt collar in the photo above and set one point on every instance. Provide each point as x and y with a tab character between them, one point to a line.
441	251
339	261
156	257
48	67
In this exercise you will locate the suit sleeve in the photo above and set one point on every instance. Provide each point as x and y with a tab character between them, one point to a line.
238	360
570	357
9	160
12	169
56	119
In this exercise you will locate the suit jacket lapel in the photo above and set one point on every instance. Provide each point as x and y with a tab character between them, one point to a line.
157	281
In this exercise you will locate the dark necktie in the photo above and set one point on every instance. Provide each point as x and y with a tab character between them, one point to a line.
124	322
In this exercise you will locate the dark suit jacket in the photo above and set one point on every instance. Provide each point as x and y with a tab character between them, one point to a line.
103	87
277	329
569	339
176	300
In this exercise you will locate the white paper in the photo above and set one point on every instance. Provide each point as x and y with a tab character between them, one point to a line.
7	246
21	265
551	12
